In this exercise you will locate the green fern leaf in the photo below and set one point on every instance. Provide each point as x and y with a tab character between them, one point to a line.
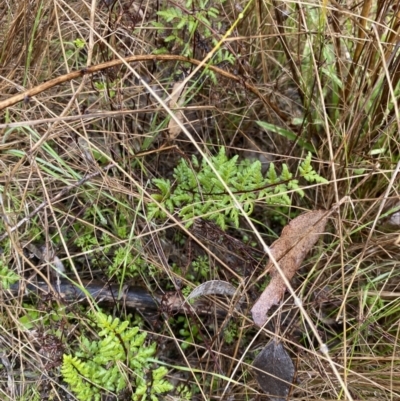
182	23
100	369
170	38
212	12
170	14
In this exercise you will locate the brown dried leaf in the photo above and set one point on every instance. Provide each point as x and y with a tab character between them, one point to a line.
274	371
296	240
176	101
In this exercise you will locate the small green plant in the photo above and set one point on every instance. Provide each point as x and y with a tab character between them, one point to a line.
7	276
75	54
231	332
201	267
197	192
184	25
31	394
121	261
184	392
189	332
87	242
127	263
118	360
105	87
33	318
198	271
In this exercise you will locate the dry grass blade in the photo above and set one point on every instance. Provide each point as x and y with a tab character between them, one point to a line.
177	100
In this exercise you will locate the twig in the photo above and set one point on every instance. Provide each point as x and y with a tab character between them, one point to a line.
147	57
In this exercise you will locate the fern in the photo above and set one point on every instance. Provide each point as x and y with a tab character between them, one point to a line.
199	193
309	173
127	262
170	14
104	365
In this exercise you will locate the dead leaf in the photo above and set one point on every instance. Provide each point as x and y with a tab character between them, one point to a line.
176	101
296	240
215	287
275	371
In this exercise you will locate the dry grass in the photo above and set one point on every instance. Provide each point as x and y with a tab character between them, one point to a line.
76	163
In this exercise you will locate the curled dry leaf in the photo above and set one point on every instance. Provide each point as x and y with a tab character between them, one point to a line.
296	240
176	101
214	287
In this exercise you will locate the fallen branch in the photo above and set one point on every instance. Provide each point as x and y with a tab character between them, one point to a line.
110	294
26	95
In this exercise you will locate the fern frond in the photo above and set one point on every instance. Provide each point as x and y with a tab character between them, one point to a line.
308	173
99	367
170	14
200	193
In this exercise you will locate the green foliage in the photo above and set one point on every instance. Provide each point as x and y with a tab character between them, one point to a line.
79	43
103	86
120	358
287	134
201	266
309	173
121	261
181	26
34	318
127	262
198	271
87	242
74	52
7	276
197	191
189	332
184	392
231	332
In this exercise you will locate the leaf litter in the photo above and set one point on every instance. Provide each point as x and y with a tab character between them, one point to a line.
296	240
274	371
215	287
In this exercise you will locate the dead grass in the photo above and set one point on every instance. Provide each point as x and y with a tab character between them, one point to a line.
76	163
